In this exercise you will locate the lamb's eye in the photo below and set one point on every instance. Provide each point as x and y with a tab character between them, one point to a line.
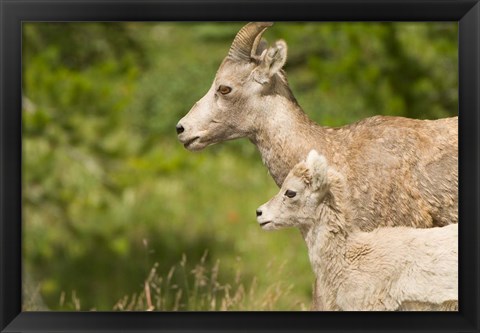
290	193
224	90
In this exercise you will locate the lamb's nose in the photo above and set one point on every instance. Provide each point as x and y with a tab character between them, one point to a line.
259	212
179	128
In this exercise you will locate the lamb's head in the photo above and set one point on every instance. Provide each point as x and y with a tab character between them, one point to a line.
304	189
247	76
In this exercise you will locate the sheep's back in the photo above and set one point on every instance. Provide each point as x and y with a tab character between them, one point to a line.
402	264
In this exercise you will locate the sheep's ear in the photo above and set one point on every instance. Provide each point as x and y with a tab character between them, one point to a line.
262	46
271	62
318	167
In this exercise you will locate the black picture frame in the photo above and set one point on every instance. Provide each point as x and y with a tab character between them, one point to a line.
14	12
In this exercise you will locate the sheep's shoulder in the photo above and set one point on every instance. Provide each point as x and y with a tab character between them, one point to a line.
375	252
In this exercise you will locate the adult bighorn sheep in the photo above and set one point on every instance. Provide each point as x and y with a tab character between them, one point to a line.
400	171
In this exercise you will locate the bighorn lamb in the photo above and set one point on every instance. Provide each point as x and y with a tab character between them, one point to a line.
401	170
356	270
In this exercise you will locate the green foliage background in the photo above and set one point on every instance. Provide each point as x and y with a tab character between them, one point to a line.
108	191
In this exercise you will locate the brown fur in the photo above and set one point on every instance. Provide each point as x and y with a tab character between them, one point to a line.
400	171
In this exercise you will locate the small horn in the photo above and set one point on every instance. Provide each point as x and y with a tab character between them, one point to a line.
245	44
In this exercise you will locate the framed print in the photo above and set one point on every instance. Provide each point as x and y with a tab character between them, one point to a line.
147	148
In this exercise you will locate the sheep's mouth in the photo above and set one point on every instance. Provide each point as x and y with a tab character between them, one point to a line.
265	223
190	142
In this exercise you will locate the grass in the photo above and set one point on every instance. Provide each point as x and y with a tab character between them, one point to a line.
183	288
203	290
174	203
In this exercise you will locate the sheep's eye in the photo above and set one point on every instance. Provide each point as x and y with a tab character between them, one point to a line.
290	193
224	90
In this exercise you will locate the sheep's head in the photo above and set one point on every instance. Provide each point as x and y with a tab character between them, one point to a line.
297	202
239	93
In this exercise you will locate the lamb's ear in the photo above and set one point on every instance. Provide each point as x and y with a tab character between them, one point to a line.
318	168
271	62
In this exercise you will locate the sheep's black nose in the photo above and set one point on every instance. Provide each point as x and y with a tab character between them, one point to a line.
259	212
179	129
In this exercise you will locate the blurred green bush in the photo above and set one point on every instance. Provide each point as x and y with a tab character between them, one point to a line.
107	189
